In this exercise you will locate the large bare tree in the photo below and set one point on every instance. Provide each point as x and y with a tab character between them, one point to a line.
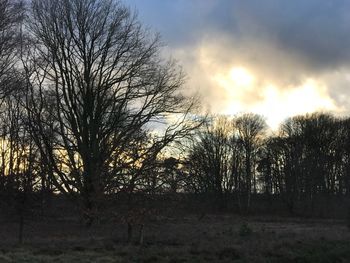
97	84
11	16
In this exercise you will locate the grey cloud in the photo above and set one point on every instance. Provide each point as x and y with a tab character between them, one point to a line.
318	31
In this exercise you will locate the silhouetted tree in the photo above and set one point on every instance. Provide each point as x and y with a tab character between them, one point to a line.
210	160
224	158
306	159
250	128
103	79
11	17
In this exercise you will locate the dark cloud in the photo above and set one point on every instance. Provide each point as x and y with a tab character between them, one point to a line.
319	31
185	21
316	30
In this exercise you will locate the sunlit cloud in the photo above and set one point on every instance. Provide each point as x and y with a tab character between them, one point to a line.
274	102
241	77
277	59
231	88
278	104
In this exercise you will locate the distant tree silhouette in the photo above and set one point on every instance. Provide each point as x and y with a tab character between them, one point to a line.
306	159
210	160
224	157
250	128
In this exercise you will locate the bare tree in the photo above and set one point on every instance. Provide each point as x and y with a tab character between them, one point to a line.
11	17
101	76
211	161
250	128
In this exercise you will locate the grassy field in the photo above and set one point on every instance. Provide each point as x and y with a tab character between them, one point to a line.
213	238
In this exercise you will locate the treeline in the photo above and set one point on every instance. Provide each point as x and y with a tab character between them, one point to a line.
307	157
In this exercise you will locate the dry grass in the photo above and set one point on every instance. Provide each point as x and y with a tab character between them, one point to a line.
214	238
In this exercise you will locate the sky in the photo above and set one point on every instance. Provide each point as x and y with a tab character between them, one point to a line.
273	57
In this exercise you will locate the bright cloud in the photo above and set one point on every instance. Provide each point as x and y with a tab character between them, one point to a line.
278	104
279	59
229	88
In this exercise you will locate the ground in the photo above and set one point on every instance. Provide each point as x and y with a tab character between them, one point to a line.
192	238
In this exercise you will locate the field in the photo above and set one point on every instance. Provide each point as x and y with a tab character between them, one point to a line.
185	238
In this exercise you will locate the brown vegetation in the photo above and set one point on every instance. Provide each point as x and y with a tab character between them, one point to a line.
176	235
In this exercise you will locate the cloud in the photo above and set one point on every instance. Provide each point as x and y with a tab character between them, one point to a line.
315	30
287	45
